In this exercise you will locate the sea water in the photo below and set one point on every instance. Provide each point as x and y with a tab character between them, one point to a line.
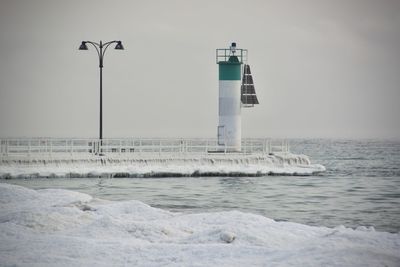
361	187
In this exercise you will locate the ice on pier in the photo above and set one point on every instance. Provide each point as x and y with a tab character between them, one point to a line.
162	166
56	227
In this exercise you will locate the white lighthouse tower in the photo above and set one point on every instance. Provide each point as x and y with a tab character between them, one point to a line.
236	90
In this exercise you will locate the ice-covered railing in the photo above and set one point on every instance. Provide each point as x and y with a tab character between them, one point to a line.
148	158
128	147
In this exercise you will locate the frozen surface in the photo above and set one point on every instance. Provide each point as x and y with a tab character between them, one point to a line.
156	166
56	227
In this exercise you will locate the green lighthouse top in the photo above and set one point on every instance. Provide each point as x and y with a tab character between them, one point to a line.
231	55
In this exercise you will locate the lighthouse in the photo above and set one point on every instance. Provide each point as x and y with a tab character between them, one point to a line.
236	90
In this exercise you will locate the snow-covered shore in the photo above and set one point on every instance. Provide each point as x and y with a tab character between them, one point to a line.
54	227
161	166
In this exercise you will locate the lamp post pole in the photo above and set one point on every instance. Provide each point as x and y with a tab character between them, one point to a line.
101	50
101	90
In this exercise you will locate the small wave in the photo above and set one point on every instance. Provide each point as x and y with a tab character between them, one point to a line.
353	158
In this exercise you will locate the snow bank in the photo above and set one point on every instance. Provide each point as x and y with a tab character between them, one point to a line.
65	228
157	166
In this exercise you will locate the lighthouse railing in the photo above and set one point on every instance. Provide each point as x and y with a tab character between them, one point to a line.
223	54
131	147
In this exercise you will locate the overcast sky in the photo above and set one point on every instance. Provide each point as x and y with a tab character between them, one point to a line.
321	68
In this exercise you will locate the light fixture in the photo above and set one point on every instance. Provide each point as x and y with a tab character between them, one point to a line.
119	46
83	46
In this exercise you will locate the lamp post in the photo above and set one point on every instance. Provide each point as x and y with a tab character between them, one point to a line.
101	50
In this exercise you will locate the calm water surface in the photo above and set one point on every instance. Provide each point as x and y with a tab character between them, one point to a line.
361	187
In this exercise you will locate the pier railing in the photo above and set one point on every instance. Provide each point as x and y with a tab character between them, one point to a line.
53	147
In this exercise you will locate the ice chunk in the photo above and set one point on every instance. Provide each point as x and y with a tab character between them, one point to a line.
227	237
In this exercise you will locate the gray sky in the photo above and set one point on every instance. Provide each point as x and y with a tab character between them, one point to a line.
321	68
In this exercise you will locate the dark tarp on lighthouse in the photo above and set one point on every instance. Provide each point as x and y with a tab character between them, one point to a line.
248	93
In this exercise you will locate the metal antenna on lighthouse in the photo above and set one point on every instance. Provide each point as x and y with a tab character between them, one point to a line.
233	48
